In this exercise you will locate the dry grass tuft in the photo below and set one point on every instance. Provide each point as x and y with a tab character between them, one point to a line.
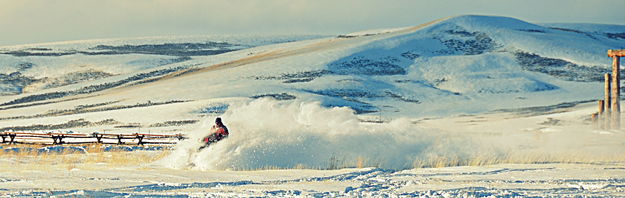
94	158
516	158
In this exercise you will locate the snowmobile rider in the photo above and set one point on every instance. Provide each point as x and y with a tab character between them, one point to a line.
219	131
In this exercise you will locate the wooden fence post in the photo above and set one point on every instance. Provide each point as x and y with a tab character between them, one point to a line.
140	138
61	138
12	138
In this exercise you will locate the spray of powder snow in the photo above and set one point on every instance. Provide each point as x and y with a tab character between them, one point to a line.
269	134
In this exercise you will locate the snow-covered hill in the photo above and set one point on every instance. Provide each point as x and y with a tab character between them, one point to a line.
464	64
32	67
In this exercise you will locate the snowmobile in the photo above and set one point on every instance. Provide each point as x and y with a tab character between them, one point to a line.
211	139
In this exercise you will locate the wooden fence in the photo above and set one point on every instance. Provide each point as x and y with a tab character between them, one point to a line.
78	138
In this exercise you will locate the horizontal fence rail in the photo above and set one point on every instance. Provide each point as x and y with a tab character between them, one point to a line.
78	138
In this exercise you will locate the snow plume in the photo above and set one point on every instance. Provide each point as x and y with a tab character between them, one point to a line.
270	134
266	134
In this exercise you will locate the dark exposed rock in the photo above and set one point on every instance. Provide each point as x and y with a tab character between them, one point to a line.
280	96
345	36
559	68
74	77
298	80
410	55
616	35
21	53
170	49
532	30
360	65
39	49
401	98
574	31
305	76
347	93
93	88
479	43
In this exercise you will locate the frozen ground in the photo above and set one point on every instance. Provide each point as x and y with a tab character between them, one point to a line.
554	152
504	180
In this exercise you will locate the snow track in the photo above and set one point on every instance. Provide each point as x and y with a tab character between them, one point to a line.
558	180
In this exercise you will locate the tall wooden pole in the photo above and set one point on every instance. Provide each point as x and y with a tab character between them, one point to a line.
608	81
606	105
616	92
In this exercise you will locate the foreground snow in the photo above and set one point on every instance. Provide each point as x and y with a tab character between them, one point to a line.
537	152
508	180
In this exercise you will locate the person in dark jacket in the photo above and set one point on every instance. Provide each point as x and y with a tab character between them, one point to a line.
219	131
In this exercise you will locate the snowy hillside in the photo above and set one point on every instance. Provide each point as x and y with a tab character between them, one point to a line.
465	64
32	67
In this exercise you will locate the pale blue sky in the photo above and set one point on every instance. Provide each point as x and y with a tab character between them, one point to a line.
32	21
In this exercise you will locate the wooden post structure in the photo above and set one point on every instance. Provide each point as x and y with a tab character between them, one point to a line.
12	137
608	81
616	87
606	116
